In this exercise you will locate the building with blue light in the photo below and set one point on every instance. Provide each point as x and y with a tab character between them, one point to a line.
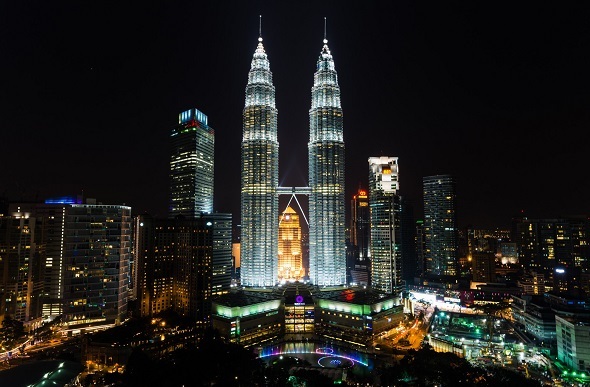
182	261
97	250
192	144
85	256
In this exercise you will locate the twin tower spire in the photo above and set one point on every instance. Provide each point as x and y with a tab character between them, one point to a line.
260	176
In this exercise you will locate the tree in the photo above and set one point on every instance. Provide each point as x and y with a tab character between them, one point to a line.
426	367
141	370
11	331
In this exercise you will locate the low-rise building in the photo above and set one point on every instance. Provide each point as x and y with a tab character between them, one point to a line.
249	317
573	342
349	316
535	316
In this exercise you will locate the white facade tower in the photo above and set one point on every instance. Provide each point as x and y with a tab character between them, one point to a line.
260	177
385	225
327	239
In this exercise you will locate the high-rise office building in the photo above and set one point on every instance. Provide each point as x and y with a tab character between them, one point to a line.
359	224
191	165
21	268
97	248
153	244
290	258
440	225
483	266
250	316
558	248
544	244
357	249
409	250
260	177
182	263
221	263
327	238
51	218
259	194
385	219
85	258
420	243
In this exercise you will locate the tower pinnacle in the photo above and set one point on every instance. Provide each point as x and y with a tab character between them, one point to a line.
327	256
260	175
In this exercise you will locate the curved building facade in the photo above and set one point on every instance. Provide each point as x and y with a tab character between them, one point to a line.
327	256
260	177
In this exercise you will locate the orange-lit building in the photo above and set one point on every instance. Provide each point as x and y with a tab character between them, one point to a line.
290	259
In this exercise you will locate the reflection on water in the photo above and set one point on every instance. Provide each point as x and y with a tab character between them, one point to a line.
294	348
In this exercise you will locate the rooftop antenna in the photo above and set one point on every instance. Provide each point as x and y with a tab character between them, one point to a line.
260	28
325	40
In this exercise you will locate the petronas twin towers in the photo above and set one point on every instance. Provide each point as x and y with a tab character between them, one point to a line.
260	177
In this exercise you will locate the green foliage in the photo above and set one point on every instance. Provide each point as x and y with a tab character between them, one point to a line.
492	309
12	330
313	378
212	362
426	367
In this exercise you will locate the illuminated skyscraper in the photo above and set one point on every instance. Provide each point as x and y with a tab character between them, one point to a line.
358	251
290	259
97	247
85	250
327	239
52	216
359	224
191	165
22	267
260	177
385	204
440	225
181	262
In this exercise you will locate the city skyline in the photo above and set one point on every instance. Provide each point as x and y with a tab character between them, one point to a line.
491	97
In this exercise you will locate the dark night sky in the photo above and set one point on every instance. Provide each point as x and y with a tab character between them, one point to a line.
496	94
